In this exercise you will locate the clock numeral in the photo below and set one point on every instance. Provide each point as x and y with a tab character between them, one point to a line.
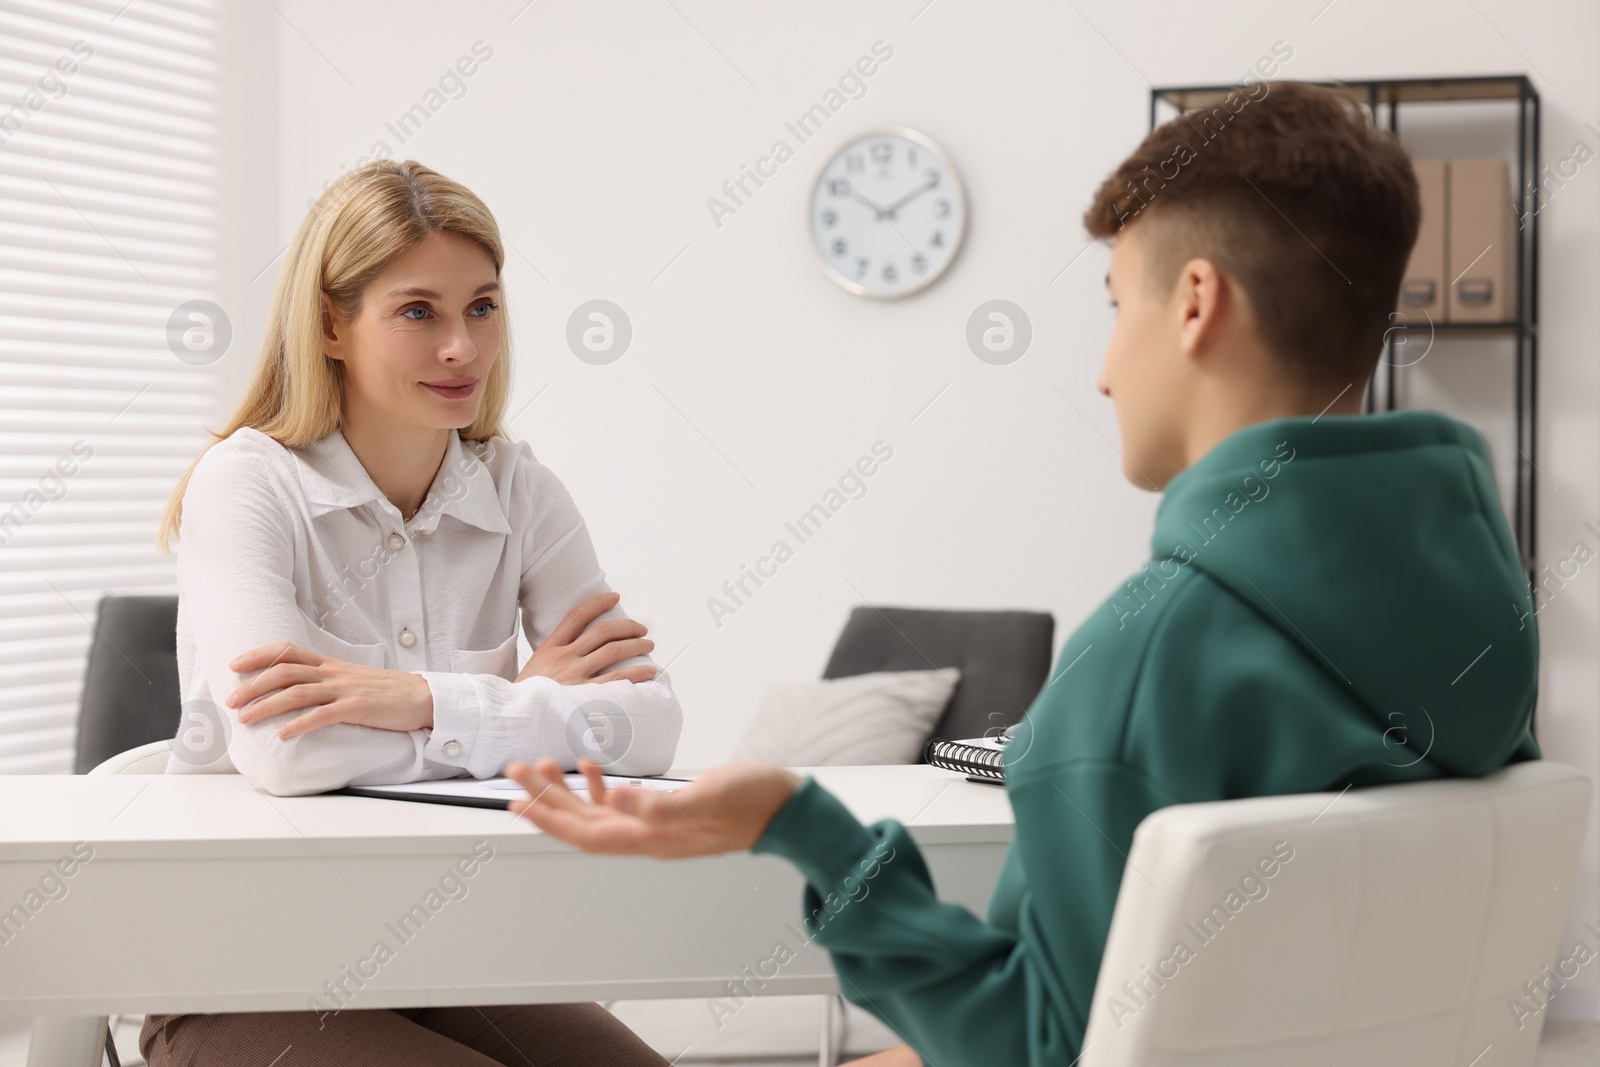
853	162
933	178
911	158
882	151
861	267
839	187
919	264
839	246
937	240
830	217
941	209
890	275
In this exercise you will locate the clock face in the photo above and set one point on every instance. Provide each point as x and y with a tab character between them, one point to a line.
888	214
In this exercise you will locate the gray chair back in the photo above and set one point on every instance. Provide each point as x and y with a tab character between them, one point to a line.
130	682
1004	658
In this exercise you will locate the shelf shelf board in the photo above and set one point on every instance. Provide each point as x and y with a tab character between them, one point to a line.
1508	329
1389	91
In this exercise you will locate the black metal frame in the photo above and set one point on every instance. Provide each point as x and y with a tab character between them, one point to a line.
1512	88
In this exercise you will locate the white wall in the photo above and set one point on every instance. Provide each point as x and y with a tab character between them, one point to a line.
597	131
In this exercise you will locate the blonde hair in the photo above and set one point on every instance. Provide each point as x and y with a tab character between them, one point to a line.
361	223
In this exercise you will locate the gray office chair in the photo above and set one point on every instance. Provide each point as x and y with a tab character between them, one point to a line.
130	681
1004	658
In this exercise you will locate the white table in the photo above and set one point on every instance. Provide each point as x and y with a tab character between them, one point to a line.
205	895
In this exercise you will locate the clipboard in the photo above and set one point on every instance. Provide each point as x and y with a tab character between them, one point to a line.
493	793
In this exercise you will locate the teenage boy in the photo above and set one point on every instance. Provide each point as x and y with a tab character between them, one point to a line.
1332	599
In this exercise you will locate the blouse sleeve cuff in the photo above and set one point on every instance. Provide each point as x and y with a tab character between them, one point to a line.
456	719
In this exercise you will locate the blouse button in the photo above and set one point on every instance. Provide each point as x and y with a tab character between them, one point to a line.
452	749
407	638
396	542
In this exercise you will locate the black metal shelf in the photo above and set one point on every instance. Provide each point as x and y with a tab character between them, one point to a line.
1384	98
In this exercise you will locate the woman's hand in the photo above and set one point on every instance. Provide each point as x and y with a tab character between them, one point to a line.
333	690
576	652
725	809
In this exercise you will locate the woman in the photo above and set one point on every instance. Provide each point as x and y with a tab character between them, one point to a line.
353	551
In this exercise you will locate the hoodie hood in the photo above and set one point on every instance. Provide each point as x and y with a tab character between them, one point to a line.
1415	598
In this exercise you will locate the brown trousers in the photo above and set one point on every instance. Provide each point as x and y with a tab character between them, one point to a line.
508	1035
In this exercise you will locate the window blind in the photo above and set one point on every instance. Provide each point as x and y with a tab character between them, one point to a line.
108	224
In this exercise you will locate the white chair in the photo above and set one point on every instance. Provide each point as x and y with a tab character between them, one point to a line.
1401	932
72	1040
146	759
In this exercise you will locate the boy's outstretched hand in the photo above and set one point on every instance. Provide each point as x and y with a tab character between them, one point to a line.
726	809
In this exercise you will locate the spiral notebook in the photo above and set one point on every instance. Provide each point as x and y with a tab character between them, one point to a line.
978	758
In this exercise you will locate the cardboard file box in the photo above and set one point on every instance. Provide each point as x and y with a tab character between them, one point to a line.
1422	295
1481	251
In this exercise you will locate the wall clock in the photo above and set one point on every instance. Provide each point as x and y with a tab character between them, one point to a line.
888	213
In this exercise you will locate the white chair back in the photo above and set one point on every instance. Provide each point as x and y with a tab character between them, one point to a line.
146	759
1395	925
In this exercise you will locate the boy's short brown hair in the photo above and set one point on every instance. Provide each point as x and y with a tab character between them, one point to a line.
1291	192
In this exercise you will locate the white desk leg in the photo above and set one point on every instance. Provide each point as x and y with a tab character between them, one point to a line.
67	1041
830	1042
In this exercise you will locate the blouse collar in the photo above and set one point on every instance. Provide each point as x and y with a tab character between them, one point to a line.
332	477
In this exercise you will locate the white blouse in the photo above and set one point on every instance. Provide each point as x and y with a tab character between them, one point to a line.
280	544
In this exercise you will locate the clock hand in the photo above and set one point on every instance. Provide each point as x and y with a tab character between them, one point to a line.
904	200
876	210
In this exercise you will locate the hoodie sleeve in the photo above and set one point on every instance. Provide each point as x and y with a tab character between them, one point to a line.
959	990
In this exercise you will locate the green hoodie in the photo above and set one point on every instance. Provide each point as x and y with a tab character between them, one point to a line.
1329	602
